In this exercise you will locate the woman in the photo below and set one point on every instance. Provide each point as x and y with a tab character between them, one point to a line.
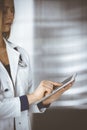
17	97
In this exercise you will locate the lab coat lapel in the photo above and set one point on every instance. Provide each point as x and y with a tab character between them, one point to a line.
13	56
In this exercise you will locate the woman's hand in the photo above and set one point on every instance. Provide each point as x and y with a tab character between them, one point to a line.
57	95
45	87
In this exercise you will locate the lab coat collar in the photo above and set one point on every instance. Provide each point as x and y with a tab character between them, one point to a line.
13	57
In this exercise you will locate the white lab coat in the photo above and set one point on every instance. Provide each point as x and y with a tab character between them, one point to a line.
10	107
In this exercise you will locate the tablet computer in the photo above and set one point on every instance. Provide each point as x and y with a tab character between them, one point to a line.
67	81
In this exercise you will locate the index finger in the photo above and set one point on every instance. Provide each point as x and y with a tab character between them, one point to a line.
56	84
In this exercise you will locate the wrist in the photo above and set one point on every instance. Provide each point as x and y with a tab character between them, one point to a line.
31	98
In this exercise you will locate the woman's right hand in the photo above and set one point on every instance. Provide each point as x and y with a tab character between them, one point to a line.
45	87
